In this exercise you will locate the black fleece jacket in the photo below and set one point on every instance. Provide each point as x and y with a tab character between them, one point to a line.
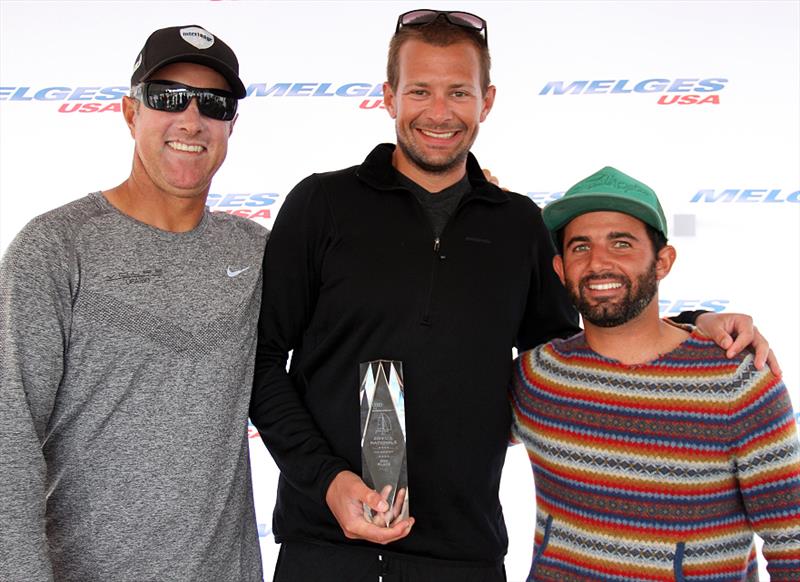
352	273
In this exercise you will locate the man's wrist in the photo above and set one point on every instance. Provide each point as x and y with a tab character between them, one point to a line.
689	317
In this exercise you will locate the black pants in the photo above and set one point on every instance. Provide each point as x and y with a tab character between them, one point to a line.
303	562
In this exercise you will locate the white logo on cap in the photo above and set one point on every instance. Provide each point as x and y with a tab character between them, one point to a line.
138	62
197	37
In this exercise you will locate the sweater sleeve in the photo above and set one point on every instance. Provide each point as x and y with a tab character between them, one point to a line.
767	459
292	277
549	313
35	316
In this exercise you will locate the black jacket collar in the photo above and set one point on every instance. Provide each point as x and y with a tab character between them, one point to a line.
377	172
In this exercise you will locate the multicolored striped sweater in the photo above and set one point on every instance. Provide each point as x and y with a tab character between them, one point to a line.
658	471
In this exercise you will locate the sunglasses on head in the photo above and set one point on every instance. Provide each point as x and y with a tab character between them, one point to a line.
174	97
462	19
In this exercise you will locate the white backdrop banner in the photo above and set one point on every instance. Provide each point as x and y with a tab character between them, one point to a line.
700	100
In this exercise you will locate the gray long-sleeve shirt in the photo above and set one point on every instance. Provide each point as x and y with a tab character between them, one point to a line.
125	370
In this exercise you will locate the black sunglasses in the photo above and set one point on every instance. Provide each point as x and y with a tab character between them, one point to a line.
174	97
462	19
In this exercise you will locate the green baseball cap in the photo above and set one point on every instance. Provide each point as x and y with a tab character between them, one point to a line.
608	189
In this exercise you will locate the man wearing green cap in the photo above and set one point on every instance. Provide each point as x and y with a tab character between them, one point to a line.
650	448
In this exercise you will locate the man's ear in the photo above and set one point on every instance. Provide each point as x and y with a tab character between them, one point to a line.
665	258
389	100
129	110
558	267
488	102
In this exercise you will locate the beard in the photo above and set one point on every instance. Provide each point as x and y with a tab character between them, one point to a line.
415	155
609	313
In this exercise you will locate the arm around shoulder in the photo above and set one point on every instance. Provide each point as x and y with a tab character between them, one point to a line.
733	332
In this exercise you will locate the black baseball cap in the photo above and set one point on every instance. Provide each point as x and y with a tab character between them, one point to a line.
187	44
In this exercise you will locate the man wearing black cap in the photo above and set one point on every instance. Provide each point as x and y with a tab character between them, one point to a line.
127	347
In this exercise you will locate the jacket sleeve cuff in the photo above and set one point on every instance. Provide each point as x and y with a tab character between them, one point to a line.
327	478
688	316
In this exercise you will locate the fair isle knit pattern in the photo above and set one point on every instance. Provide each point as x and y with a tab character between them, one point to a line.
659	471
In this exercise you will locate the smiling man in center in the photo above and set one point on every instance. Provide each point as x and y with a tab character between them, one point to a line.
411	256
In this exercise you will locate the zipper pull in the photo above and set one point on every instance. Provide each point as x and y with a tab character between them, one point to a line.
436	245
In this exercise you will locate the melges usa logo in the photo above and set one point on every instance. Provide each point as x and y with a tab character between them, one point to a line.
678	91
255	206
745	196
709	196
98	99
74	99
370	93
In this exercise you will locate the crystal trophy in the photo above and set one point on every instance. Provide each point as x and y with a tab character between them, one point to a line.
383	438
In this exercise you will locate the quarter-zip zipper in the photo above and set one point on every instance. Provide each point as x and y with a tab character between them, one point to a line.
437	258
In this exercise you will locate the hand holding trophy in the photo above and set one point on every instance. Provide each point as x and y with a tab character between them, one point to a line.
383	442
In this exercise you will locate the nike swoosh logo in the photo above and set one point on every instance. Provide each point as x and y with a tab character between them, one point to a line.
232	273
